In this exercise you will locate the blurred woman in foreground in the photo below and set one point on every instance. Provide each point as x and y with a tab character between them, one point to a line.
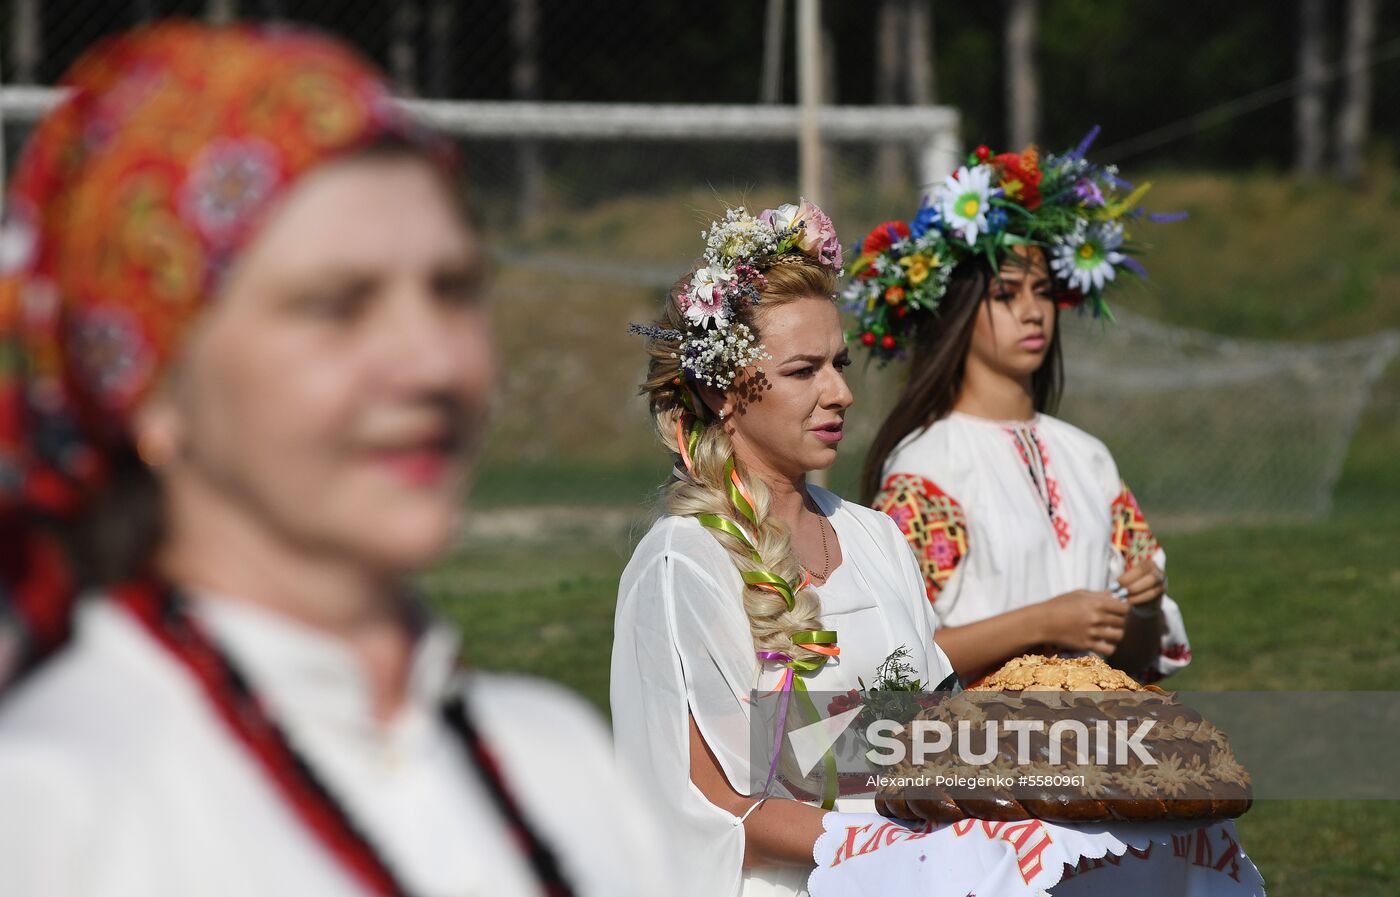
244	362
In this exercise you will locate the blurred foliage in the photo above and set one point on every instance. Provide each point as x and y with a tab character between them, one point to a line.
1129	66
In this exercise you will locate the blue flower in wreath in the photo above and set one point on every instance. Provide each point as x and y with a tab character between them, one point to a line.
997	219
926	219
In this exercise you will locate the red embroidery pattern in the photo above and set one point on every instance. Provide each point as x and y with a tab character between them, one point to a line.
931	521
1057	519
1037	461
1175	656
1132	538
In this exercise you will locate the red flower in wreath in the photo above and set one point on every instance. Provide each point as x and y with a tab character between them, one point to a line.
881	238
1019	174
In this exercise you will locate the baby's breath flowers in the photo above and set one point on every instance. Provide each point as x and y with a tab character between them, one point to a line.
739	236
716	357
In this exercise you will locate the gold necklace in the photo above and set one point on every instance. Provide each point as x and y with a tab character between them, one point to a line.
826	552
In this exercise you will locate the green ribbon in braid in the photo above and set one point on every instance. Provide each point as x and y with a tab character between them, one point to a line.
762	578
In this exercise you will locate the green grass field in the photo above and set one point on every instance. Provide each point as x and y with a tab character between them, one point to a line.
1306	606
1312	605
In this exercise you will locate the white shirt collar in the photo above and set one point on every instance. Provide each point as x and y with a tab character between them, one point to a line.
308	674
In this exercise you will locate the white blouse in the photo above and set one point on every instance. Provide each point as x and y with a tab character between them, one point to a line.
1003	514
682	644
117	779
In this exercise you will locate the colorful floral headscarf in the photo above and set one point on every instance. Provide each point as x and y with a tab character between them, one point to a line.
131	198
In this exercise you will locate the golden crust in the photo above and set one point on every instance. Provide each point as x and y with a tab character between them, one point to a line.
1035	672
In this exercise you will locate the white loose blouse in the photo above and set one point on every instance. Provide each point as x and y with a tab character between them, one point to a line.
1004	514
682	646
119	779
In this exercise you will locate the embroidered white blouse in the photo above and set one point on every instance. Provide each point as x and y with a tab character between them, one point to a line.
1003	514
117	779
682	644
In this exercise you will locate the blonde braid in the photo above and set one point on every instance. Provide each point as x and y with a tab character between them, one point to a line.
771	621
705	489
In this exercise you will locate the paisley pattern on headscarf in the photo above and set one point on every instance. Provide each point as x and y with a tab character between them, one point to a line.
131	199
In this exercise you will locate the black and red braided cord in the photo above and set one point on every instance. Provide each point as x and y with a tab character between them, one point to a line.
160	612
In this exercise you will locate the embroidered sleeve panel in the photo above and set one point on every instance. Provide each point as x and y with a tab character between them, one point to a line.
932	522
1132	538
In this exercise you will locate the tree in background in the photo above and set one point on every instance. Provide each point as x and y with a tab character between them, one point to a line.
403	46
1354	117
1134	68
525	85
1310	130
904	65
26	36
220	12
1022	79
442	46
774	39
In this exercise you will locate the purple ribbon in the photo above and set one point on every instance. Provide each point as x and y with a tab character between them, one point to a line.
783	702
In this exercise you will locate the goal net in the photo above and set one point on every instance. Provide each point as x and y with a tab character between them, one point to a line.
1207	429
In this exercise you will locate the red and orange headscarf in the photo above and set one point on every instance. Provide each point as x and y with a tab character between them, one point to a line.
131	198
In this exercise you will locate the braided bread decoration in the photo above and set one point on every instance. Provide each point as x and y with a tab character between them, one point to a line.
1195	774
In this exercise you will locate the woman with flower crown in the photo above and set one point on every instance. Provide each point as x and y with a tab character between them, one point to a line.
746	580
244	361
1026	537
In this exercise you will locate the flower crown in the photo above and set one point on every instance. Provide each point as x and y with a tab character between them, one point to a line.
1072	208
714	347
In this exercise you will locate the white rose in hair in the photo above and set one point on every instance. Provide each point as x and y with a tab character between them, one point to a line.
782	218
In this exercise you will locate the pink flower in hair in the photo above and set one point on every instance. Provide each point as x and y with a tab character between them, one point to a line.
812	231
703	302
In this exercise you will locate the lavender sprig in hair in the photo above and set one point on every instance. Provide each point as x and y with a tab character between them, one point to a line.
655	331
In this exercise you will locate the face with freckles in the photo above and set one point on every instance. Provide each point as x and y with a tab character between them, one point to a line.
1016	323
787	420
333	392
